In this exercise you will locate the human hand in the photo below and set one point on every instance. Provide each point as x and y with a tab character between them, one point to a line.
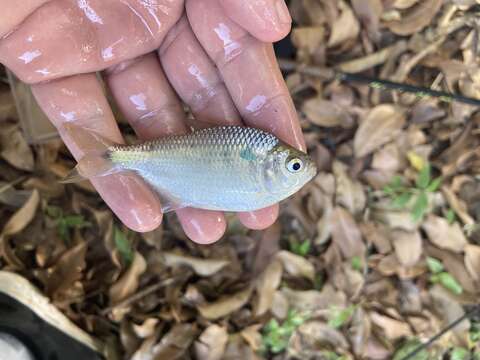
216	56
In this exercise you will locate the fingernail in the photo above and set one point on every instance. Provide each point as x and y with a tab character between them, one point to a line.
282	12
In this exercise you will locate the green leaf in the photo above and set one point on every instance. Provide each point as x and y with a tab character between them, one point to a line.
76	221
475	332
450	283
123	246
434	185
54	212
339	317
423	178
304	248
459	353
357	264
434	265
476	355
407	348
402	200
420	207
450	216
276	336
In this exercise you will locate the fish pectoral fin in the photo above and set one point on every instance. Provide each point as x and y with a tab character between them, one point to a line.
169	202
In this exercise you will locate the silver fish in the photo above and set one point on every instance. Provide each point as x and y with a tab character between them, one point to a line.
227	168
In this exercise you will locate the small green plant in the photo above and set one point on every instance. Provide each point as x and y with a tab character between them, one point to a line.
402	195
459	353
276	336
339	317
450	216
123	245
300	248
330	355
475	332
357	263
408	347
439	275
66	223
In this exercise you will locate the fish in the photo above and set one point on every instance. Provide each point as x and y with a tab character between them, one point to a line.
225	168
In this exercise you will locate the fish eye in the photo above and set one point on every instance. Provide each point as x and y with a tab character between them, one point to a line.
295	165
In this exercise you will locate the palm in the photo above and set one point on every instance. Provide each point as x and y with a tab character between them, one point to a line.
154	53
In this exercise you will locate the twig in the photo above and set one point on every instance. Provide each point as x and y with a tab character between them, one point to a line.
288	65
425	345
140	295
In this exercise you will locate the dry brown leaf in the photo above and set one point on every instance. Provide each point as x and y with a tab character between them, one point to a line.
457	205
202	267
7	106
67	270
349	193
359	331
225	305
404	4
382	124
472	261
173	345
14	148
444	235
280	305
212	343
129	281
388	158
368	12
326	113
146	329
377	235
393	329
253	338
417	18
450	310
237	349
22	217
395	219
308	38
314	336
345	27
266	286
311	300
408	246
296	265
346	234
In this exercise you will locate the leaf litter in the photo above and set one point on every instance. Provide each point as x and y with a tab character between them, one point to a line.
378	254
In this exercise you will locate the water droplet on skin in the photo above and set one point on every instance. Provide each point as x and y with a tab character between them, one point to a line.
139	101
89	12
256	103
29	56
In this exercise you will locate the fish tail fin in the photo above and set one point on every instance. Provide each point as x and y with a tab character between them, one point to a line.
96	162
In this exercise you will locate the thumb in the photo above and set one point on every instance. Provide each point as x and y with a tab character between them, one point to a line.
267	20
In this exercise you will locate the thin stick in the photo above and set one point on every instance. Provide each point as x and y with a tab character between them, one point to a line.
425	345
288	65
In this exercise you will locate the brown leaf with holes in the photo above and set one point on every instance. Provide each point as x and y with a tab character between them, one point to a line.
382	124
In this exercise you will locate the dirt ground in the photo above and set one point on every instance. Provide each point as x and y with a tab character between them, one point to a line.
371	259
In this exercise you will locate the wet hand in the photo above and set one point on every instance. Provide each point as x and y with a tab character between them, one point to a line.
214	55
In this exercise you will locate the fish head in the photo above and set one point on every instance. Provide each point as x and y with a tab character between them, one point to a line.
288	169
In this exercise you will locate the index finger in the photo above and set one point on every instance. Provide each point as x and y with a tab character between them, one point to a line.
249	69
80	99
